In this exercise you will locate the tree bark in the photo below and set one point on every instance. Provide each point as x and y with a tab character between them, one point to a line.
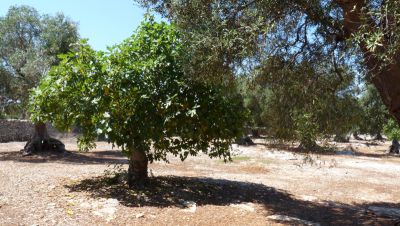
137	171
41	141
388	84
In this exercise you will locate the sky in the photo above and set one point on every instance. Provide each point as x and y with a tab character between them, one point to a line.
103	22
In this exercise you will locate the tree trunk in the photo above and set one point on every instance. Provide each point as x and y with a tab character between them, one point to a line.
255	133
137	171
41	141
379	137
341	138
388	84
356	136
395	147
386	79
309	145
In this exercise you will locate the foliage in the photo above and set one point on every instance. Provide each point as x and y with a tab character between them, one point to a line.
383	41
303	102
29	45
138	97
255	99
226	38
239	35
374	113
392	129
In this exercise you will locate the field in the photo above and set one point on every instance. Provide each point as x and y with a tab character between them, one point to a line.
266	184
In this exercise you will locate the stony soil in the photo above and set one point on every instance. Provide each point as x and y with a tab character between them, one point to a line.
264	185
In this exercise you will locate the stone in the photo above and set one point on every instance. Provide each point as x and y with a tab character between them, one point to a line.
294	220
189	206
249	207
106	208
308	198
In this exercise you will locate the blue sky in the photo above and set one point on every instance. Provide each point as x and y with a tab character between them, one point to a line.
103	22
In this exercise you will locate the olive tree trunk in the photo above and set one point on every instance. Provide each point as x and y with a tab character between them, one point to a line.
395	147
137	171
41	141
386	79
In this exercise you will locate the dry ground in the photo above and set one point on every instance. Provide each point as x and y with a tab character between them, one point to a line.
264	185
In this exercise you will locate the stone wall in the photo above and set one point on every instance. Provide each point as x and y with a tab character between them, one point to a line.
21	130
15	130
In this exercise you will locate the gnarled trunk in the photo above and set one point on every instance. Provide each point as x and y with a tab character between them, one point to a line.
137	171
41	141
387	83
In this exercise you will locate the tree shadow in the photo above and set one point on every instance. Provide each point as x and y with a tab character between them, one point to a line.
381	154
67	157
327	150
166	191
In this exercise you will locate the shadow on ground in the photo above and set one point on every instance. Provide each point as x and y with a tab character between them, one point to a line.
173	191
67	157
382	153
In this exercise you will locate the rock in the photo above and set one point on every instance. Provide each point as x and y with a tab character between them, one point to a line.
345	152
249	207
308	198
245	141
292	219
385	212
348	150
139	215
51	187
189	206
107	210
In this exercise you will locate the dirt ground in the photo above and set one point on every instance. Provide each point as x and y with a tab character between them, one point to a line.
265	184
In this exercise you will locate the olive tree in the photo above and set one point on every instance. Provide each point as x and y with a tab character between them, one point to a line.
138	97
363	34
29	45
374	114
302	102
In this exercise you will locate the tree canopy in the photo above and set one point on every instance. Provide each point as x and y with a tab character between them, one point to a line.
374	114
29	45
138	97
300	103
227	37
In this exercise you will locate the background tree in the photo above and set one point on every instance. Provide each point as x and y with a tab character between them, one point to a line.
29	45
392	131
139	98
374	113
301	102
226	36
255	97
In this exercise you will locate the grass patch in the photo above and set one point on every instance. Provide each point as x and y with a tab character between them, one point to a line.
240	158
